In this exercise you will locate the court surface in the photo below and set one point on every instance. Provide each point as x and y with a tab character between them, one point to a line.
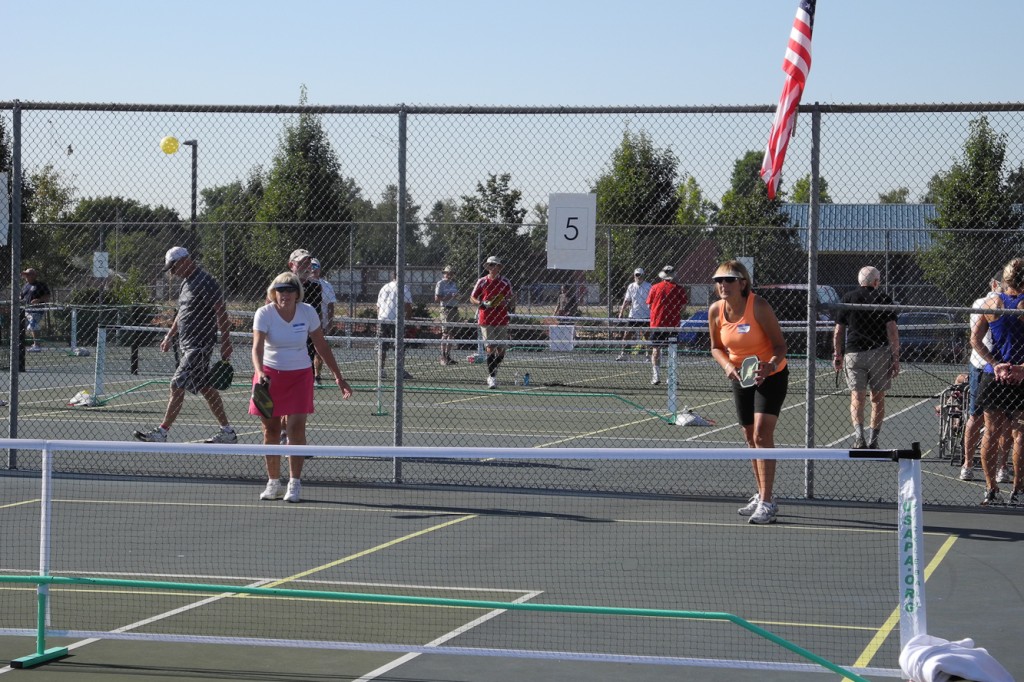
492	550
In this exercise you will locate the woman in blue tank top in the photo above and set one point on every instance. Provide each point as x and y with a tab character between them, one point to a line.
1002	401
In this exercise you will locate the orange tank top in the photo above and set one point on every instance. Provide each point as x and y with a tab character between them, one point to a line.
745	337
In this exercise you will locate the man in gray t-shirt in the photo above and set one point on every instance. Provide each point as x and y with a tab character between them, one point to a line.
201	313
446	293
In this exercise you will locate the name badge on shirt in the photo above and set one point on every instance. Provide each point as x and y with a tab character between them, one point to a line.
742	328
298	327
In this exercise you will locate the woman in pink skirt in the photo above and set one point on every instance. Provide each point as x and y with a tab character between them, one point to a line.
280	330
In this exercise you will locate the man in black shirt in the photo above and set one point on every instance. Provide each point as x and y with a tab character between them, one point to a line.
33	295
301	263
868	343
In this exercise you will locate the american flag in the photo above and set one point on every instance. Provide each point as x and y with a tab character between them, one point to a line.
797	65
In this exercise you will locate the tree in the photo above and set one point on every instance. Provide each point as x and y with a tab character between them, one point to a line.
53	196
802	191
694	210
227	221
750	224
637	199
135	235
931	195
977	223
307	203
490	220
43	241
375	241
1015	185
895	196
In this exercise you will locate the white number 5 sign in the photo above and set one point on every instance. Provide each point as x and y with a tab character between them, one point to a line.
571	226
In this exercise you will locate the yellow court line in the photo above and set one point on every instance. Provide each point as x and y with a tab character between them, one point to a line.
18	504
368	551
894	618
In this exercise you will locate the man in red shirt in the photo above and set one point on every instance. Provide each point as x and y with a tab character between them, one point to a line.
496	299
666	300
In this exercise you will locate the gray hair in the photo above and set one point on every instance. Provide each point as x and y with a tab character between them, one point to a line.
868	275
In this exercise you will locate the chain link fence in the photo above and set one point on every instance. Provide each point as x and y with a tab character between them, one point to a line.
930	195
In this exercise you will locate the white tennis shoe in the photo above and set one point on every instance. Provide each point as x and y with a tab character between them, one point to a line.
751	505
492	382
765	513
223	437
294	490
157	435
273	491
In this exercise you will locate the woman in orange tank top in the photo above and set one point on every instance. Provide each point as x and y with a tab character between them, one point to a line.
743	326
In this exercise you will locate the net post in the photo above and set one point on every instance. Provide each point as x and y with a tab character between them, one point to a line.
101	359
379	411
910	523
74	328
673	354
42	654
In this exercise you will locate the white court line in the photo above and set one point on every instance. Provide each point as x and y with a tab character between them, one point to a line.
374	674
888	416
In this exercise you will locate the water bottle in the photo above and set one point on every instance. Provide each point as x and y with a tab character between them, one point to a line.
515	379
526	379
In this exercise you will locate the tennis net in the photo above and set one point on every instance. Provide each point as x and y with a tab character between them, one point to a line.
467	569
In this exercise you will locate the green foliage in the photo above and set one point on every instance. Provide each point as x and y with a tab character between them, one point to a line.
895	196
976	227
305	185
136	235
53	196
130	290
489	220
375	236
802	191
230	251
751	224
637	197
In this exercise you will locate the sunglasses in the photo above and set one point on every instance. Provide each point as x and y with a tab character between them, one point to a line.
725	280
287	287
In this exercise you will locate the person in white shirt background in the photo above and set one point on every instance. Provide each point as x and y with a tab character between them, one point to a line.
639	311
387	315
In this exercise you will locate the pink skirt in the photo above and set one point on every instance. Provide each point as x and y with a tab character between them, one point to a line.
291	390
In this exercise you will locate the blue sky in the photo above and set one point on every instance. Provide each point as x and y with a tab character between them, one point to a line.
530	52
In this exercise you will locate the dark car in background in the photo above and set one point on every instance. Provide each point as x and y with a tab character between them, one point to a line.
789	301
932	337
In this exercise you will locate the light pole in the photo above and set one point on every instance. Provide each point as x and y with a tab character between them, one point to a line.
195	179
169	145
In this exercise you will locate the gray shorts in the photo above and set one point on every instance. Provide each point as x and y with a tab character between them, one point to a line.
448	315
494	333
869	369
193	371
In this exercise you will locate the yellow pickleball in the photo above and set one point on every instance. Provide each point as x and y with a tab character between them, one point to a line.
169	145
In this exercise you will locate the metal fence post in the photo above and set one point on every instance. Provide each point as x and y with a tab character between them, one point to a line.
400	292
812	295
17	350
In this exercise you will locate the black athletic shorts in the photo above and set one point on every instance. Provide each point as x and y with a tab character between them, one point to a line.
997	395
764	399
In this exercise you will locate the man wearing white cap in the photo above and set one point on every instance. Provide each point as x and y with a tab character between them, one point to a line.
201	314
446	294
639	311
666	300
493	293
327	301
